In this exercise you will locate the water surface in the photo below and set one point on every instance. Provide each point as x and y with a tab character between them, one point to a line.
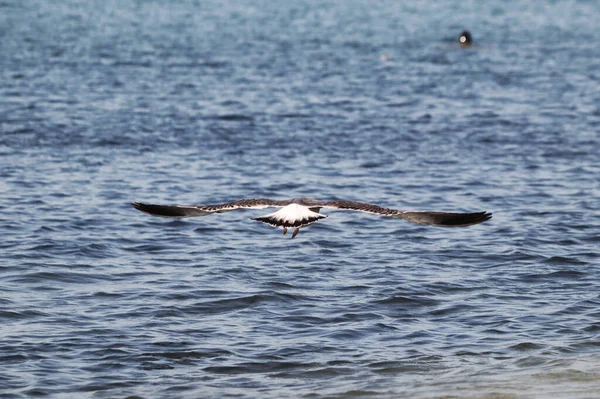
104	103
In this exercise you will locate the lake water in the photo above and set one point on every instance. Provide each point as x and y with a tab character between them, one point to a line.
199	102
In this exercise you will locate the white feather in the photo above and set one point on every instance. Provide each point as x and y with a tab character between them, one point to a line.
293	213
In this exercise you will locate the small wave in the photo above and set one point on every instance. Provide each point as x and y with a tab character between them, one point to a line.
558	275
404	300
63	277
402	104
279	285
561	260
393	367
260	367
232	118
236	304
185	355
292	116
526	346
450	310
7	315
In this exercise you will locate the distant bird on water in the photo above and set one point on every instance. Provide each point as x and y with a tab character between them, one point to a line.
465	39
300	212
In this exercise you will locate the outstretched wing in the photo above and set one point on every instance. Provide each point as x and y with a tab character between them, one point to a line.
184	211
450	219
419	217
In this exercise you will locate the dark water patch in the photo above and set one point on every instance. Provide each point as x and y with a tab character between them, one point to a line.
215	64
260	367
156	366
453	310
21	130
395	367
207	230
591	239
561	260
93	250
317	373
277	285
407	301
6	302
440	287
177	389
358	393
558	275
61	277
372	165
145	248
594	328
105	384
526	347
332	245
8	315
293	116
355	317
402	104
304	321
186	356
236	304
383	326
582	307
103	294
168	312
355	288
436	59
16	358
232	118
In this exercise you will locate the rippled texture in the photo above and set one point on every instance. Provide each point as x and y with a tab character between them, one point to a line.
104	103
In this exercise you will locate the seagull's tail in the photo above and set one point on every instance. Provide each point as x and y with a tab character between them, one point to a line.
281	219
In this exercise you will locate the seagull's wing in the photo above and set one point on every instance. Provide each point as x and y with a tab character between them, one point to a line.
450	219
184	211
419	217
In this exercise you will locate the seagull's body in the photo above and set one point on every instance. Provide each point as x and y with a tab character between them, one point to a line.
301	212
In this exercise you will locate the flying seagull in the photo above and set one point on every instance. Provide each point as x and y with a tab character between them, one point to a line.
300	212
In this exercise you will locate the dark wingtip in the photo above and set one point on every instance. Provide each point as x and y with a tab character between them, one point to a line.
159	210
465	219
141	207
480	217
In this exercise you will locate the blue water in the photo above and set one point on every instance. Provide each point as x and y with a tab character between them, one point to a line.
198	102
